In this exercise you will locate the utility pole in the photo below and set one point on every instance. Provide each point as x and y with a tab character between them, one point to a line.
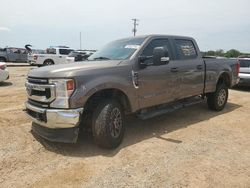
135	23
80	40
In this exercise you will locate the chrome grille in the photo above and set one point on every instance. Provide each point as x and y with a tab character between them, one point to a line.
39	90
37	80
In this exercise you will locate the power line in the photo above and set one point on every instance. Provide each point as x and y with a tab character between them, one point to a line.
135	23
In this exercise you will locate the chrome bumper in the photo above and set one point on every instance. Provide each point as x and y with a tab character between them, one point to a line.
54	118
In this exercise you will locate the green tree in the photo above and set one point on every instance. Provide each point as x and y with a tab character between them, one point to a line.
210	53
220	53
232	53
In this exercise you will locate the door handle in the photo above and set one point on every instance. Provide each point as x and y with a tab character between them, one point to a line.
174	69
199	67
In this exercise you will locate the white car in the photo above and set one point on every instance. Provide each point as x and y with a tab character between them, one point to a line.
4	73
53	56
244	72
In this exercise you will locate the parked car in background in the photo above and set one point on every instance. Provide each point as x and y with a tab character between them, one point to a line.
79	55
4	73
32	54
244	71
53	56
12	54
147	75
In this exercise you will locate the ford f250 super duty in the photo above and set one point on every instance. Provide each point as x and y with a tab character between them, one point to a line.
147	75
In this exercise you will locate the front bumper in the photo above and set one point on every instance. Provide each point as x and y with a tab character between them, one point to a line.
68	135
54	124
54	118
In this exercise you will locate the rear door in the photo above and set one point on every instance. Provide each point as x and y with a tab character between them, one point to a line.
23	55
190	68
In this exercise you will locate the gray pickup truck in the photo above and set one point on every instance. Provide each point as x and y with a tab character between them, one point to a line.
13	55
146	75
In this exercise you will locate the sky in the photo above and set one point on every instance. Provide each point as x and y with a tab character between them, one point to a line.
215	24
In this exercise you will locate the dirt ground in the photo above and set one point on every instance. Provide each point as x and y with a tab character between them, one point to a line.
192	147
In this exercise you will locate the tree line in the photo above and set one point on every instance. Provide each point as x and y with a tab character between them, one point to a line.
229	54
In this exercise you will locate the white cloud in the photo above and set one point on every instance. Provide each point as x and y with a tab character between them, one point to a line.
4	29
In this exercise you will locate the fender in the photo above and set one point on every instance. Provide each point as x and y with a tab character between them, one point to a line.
85	90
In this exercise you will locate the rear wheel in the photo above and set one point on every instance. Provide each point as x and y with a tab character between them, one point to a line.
217	100
108	124
48	62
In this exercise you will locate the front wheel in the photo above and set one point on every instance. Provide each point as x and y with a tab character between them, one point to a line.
216	101
108	124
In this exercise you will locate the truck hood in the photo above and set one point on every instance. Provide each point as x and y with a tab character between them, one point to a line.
71	69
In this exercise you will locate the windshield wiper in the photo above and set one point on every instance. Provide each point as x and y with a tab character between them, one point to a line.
101	58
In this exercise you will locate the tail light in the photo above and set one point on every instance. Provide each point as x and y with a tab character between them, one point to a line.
238	67
35	57
3	67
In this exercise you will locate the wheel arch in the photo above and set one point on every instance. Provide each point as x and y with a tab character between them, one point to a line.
48	60
109	93
2	57
224	78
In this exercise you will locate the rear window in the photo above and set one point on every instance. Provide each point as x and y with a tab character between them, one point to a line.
244	63
185	49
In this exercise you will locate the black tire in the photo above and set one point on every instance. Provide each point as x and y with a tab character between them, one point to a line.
216	101
48	62
2	59
108	124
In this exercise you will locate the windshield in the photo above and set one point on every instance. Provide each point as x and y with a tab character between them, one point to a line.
118	50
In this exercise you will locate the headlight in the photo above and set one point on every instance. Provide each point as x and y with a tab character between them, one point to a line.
64	89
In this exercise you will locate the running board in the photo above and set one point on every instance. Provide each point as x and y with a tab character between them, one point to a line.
163	109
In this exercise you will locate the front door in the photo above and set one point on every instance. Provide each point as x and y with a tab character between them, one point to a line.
156	84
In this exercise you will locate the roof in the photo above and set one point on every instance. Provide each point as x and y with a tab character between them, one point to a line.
161	35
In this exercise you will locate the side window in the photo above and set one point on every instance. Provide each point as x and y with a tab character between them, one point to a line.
148	50
51	51
64	51
185	49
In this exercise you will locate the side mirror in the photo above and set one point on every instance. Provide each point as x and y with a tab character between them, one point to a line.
160	56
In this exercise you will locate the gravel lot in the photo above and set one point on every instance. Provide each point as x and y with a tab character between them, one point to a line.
192	147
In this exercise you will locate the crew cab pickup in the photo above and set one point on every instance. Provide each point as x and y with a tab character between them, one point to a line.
12	54
53	56
147	75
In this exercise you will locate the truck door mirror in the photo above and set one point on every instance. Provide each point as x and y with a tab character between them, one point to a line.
160	56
